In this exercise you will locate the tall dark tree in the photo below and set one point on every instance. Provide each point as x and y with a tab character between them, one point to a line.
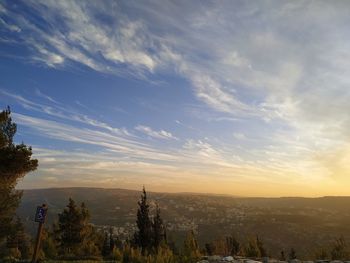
111	239
75	235
15	162
158	230
143	236
69	228
106	249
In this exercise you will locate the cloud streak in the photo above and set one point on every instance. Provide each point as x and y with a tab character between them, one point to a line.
155	134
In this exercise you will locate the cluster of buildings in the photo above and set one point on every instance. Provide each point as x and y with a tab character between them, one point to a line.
217	259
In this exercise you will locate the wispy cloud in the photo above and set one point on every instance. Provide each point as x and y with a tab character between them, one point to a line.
118	144
155	134
239	70
57	110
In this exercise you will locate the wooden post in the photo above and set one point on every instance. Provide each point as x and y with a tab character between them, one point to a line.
40	217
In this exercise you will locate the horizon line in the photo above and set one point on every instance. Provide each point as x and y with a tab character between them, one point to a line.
184	193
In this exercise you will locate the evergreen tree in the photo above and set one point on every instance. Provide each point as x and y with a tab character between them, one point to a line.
143	236
75	236
69	228
111	239
158	230
15	162
106	246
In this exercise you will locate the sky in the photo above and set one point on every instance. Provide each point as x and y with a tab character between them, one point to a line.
248	98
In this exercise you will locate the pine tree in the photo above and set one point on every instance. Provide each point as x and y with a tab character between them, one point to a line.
69	228
143	236
158	230
75	235
111	239
15	162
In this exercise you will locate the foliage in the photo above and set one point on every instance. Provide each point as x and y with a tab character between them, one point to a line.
322	254
132	254
75	236
48	244
338	249
158	231
261	247
151	233
163	255
116	254
106	251
228	246
143	237
191	252
254	248
15	162
23	241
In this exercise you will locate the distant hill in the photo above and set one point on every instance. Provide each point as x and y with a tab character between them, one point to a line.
282	223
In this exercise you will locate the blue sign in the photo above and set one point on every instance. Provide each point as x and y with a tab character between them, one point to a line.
40	214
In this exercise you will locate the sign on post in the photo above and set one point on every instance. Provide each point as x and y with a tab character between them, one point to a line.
40	217
40	214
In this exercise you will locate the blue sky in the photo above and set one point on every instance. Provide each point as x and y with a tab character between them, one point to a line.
236	97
